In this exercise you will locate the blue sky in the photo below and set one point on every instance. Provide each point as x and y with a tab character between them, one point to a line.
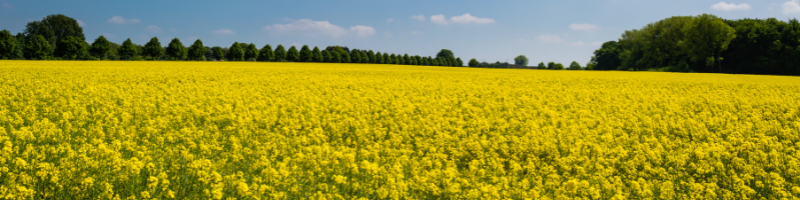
499	30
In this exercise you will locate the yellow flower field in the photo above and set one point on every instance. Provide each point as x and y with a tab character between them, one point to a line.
236	130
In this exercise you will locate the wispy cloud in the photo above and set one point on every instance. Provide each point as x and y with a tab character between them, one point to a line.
418	17
154	29
790	7
311	28
730	6
583	27
439	19
81	24
223	32
469	19
122	20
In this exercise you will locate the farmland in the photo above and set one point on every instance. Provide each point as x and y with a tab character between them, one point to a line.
246	130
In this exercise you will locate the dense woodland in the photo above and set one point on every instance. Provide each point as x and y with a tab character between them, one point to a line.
58	37
706	43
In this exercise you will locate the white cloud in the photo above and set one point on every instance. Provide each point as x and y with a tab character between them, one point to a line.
121	20
583	27
308	27
390	20
575	44
467	18
730	6
153	29
548	38
790	7
361	30
223	32
418	17
439	19
81	24
416	33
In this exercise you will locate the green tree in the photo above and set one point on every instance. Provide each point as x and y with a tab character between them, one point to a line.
71	48
345	57
293	55
38	49
551	65
521	60
236	52
54	28
305	54
251	53
266	54
575	66
336	57
280	53
217	53
127	50
392	59
197	51
175	50
459	62
364	57
473	63
406	59
355	56
379	58
316	55
445	53
558	66
101	48
153	49
8	45
706	37
371	56
326	56
541	66
607	57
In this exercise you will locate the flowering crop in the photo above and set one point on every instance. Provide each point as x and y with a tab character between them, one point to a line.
210	130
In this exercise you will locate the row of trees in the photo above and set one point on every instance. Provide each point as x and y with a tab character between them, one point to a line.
706	43
521	62
60	37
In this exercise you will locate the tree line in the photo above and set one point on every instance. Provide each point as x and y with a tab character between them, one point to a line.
58	37
706	43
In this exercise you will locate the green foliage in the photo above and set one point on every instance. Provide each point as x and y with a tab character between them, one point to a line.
72	48
345	57
355	56
175	50
280	53
473	62
445	53
127	49
8	45
371	57
197	51
379	58
153	49
54	28
459	62
292	54
101	48
316	55
336	57
558	66
251	52
236	52
217	53
706	37
551	65
38	49
326	56
575	66
521	60
305	54
541	66
266	54
608	56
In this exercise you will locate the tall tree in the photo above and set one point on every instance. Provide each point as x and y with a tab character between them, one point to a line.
153	49
316	55
345	57
551	65
280	53
473	62
197	51
236	52
38	49
575	66
251	53
71	48
406	59
370	56
175	50
217	52
521	60
355	56
607	57
54	28
305	54
379	58
101	48
326	56
8	45
460	63
292	54
266	54
336	57
445	53
706	37
127	50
